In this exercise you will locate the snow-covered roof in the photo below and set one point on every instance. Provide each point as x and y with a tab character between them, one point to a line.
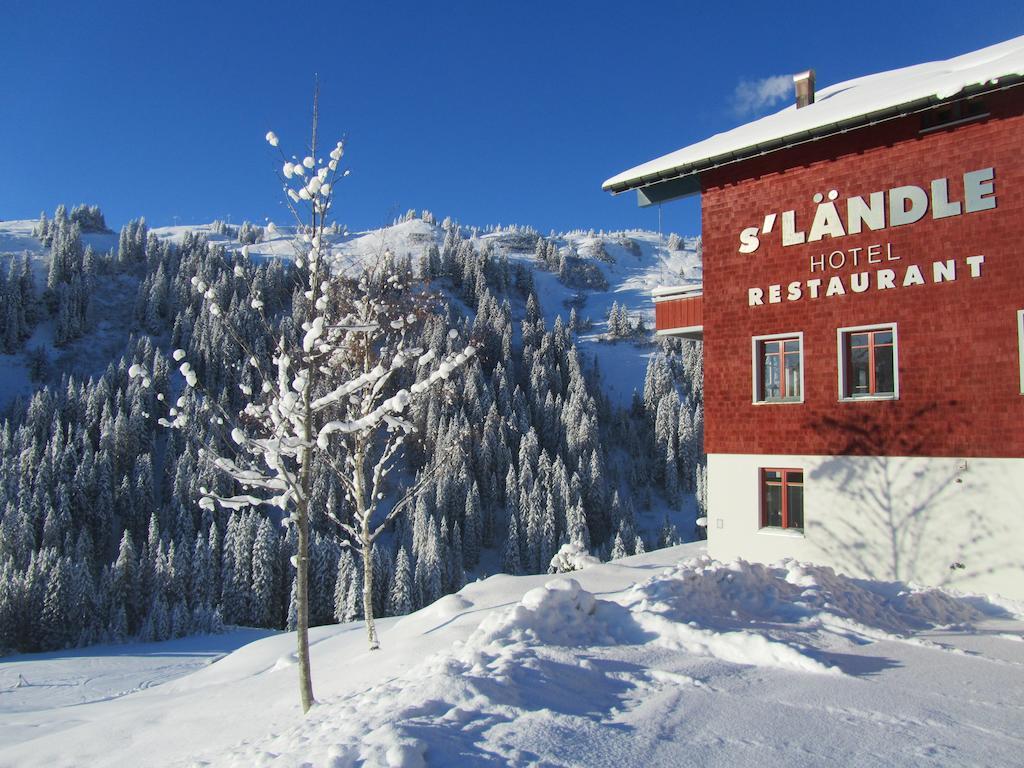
837	107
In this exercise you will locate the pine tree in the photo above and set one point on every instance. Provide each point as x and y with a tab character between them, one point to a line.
668	536
701	489
576	526
354	605
55	617
343	582
428	574
455	561
292	621
688	450
618	548
200	588
510	557
665	423
161	619
124	588
657	383
472	537
11	330
264	576
400	598
548	535
383	567
671	475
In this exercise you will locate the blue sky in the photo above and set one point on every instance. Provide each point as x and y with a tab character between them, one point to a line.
488	112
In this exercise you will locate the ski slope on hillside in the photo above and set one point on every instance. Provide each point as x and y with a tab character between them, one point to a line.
666	658
631	273
87	356
631	276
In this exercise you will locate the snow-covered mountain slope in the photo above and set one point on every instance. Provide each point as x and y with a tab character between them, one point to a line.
666	658
632	263
113	301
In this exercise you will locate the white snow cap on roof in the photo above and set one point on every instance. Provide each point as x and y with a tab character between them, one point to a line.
838	103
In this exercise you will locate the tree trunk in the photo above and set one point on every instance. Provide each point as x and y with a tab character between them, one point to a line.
302	610
302	569
367	545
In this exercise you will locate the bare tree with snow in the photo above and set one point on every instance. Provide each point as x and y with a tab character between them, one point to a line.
334	393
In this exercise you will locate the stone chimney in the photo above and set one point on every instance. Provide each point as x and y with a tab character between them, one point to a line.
804	83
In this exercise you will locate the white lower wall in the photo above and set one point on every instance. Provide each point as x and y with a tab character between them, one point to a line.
882	517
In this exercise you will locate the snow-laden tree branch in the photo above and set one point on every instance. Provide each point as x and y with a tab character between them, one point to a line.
335	393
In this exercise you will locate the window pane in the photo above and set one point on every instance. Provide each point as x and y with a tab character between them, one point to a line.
793	374
859	382
773	476
793	345
770	347
883	337
885	383
858	339
770	379
795	505
773	506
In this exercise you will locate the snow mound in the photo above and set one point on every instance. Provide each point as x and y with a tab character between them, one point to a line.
448	606
559	613
700	663
748	648
514	664
571	557
288	661
542	655
738	593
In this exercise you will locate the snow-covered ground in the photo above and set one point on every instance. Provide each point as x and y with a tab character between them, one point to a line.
666	658
60	679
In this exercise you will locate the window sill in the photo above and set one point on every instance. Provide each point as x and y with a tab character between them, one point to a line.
868	398
779	402
789	533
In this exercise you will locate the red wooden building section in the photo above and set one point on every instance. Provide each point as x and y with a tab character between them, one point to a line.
862	316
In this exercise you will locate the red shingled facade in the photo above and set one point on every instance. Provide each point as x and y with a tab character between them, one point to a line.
958	355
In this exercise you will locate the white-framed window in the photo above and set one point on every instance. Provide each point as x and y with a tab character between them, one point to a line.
782	498
868	362
1020	346
778	368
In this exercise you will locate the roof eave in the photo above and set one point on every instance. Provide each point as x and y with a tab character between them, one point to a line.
646	183
756	150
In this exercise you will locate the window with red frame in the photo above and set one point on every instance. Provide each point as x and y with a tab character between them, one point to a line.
870	363
782	498
779	362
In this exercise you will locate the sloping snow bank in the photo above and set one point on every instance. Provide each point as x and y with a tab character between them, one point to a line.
663	659
798	593
554	662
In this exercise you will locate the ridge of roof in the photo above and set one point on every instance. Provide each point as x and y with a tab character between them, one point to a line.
836	106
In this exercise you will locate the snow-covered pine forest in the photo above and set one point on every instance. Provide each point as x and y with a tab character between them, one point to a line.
530	446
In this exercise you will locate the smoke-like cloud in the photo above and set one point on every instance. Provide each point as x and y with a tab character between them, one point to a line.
753	96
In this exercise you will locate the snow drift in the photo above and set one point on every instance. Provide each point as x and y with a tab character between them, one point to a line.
564	661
